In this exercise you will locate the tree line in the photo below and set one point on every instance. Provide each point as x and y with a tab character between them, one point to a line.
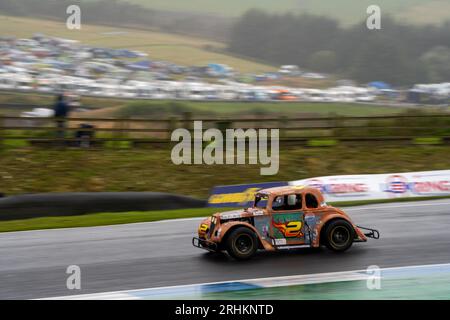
397	53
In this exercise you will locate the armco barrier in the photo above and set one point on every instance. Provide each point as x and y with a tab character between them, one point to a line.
66	204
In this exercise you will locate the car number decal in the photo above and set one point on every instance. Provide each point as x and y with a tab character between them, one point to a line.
291	229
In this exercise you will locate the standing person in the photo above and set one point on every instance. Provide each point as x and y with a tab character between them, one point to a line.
61	111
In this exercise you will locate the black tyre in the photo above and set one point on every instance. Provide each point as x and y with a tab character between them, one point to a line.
242	243
338	235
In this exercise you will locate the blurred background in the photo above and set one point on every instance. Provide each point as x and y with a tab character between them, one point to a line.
138	69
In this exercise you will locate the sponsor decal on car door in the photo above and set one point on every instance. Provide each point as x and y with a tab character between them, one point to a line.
287	228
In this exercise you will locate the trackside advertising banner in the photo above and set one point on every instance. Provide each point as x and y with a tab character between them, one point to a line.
381	186
238	195
346	187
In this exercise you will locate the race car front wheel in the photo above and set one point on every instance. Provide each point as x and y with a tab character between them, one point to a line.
339	235
242	243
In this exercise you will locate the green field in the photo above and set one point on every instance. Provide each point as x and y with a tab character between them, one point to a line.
146	109
119	108
347	11
183	50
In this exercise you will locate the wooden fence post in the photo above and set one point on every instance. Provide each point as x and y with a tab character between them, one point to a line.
171	126
282	125
335	122
126	127
187	118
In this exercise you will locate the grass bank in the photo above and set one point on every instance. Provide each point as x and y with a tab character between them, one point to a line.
33	170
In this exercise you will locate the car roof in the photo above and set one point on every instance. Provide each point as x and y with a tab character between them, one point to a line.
279	191
292	189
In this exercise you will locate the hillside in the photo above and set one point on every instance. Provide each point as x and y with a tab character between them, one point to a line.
347	11
183	50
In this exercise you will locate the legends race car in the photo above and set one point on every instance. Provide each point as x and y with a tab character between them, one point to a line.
281	218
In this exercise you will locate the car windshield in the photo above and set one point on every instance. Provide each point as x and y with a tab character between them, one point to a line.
261	201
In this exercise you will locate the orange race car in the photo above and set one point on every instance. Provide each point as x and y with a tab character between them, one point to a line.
281	218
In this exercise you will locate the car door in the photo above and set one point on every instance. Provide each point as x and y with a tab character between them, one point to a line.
312	214
287	220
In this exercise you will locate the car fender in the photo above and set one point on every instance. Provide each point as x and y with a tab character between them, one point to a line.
226	227
201	230
329	217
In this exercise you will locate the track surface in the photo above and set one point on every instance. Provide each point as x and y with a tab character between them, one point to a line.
144	255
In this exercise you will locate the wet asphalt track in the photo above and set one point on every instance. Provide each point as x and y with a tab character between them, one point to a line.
144	255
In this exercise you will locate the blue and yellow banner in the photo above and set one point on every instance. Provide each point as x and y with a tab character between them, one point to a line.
241	195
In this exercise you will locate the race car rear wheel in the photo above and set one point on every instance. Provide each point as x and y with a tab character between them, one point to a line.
242	243
338	235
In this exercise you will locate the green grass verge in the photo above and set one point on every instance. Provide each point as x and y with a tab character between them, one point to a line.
322	143
7	143
427	140
102	219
